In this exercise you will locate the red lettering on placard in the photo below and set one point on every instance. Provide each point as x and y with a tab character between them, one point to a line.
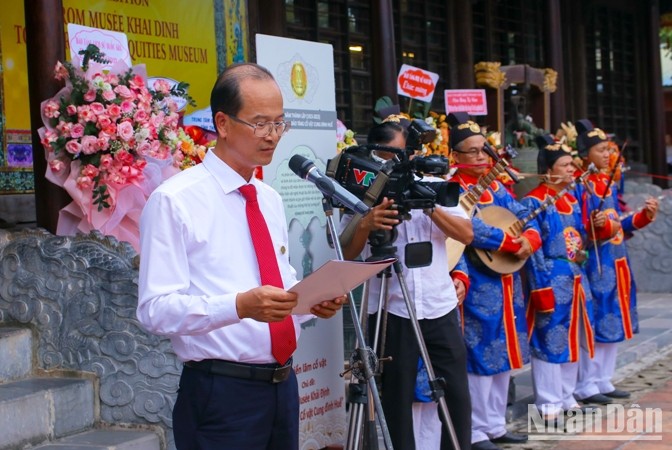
416	83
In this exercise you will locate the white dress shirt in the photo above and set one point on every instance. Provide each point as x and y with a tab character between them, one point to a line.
197	255
431	288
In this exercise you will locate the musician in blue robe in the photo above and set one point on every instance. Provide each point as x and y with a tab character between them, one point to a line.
494	310
608	269
559	314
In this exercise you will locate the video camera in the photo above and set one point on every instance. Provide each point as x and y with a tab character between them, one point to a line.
366	175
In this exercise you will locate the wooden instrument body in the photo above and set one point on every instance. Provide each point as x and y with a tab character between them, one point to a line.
498	261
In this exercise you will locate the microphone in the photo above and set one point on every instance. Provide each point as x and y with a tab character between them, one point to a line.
306	169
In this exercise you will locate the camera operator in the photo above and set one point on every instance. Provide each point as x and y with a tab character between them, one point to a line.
433	294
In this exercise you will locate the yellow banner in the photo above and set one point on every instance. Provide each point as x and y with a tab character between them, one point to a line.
174	39
15	72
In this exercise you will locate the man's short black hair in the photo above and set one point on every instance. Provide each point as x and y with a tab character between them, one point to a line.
225	95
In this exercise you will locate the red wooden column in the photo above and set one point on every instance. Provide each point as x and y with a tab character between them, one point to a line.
45	45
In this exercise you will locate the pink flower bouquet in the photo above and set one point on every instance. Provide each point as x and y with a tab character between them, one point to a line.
109	140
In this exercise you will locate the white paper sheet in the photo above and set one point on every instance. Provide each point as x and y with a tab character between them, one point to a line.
333	279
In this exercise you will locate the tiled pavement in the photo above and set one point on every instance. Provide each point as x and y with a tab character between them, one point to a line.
643	367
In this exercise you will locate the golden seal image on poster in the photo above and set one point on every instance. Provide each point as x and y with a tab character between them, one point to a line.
299	79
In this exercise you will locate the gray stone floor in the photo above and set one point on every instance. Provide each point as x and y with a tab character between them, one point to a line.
644	364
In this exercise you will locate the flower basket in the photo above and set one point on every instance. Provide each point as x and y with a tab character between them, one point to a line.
109	141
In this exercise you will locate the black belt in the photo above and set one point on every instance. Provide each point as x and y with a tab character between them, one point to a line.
272	373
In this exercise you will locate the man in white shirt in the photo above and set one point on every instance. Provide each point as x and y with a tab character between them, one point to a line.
200	279
434	298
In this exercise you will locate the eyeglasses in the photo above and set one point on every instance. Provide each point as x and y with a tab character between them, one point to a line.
474	152
263	129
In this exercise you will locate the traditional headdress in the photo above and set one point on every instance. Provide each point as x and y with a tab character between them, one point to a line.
461	128
588	136
550	151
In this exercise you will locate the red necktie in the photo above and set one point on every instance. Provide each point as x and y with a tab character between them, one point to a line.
283	338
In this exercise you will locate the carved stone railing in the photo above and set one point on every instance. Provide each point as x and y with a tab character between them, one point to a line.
80	295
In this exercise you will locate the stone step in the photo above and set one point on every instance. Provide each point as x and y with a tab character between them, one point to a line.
16	353
35	410
105	440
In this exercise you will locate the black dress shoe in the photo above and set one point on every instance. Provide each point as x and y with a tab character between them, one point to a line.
598	399
510	438
617	393
484	445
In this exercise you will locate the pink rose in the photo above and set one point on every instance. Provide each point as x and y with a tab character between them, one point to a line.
60	71
103	143
64	128
111	78
140	116
162	86
84	183
137	82
110	130
77	130
71	110
90	95
123	92
51	136
73	147
56	165
125	131
97	108
90	171
144	148
123	157
103	121
114	111
109	95
86	115
106	161
89	145
51	110
171	105
127	106
157	119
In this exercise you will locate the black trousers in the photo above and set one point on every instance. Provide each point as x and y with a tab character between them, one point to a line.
216	412
448	356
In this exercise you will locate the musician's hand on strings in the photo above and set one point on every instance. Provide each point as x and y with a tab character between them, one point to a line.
381	217
651	207
525	247
460	290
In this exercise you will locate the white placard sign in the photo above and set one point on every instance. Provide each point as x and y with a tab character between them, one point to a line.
416	83
472	101
305	72
112	43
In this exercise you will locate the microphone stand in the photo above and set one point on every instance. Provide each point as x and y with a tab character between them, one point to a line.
363	357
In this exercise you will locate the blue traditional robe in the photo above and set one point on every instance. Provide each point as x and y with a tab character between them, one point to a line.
495	330
611	282
560	303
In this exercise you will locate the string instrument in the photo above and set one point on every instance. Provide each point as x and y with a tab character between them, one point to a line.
632	213
505	262
468	202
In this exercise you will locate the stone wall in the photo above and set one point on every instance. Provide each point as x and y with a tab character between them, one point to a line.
650	249
80	295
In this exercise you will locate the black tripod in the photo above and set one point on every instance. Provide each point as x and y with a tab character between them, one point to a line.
363	364
381	244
